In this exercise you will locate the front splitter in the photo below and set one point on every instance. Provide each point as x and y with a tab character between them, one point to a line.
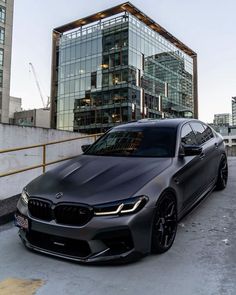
102	257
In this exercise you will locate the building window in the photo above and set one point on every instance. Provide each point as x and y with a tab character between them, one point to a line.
2	14
1	56
94	80
1	78
2	35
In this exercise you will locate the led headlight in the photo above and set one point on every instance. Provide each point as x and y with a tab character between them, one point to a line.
127	206
24	197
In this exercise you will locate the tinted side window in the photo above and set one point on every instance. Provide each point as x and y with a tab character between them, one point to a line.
187	135
207	134
199	132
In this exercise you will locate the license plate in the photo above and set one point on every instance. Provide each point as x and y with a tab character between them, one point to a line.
21	221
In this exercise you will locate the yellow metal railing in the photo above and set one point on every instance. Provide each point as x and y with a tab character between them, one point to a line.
44	163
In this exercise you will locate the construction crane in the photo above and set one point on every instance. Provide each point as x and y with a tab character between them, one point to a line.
45	105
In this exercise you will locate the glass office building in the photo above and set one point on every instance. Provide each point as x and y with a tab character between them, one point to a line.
224	119
234	111
6	25
117	66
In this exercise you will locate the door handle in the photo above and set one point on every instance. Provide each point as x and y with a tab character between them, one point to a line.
216	145
176	180
202	156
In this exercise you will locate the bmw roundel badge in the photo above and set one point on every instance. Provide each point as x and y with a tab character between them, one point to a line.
59	195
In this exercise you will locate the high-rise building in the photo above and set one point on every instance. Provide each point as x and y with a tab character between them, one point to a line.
234	110
6	23
116	66
224	119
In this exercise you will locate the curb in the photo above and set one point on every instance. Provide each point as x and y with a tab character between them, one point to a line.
7	209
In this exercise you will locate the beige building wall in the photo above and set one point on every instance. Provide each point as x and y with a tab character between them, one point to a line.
6	48
14	106
42	118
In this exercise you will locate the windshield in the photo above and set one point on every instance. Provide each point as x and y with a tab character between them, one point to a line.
145	142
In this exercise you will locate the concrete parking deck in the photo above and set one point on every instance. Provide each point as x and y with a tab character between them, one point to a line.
202	260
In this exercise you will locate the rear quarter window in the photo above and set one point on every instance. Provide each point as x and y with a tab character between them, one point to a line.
202	132
187	135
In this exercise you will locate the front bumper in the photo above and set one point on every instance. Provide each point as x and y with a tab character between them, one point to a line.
102	239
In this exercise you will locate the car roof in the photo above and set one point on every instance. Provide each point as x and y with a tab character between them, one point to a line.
175	122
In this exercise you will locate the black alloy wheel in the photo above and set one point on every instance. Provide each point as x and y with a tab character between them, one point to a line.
222	174
164	224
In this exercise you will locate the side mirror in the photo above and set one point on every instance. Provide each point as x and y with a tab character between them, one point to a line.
189	150
85	147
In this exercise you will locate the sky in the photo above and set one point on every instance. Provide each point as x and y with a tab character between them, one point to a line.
206	26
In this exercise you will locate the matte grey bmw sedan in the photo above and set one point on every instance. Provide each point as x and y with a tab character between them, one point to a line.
122	198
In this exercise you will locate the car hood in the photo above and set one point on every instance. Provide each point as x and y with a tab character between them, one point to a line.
97	179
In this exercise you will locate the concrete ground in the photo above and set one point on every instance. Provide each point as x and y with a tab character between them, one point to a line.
202	260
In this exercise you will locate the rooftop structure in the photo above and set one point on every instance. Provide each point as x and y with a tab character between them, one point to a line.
33	118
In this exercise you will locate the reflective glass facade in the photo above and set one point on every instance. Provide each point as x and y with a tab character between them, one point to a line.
118	70
6	25
234	111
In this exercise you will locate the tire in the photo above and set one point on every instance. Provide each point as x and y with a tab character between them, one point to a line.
222	177
164	225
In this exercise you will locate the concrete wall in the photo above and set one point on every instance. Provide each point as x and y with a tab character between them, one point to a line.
230	140
231	151
18	136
